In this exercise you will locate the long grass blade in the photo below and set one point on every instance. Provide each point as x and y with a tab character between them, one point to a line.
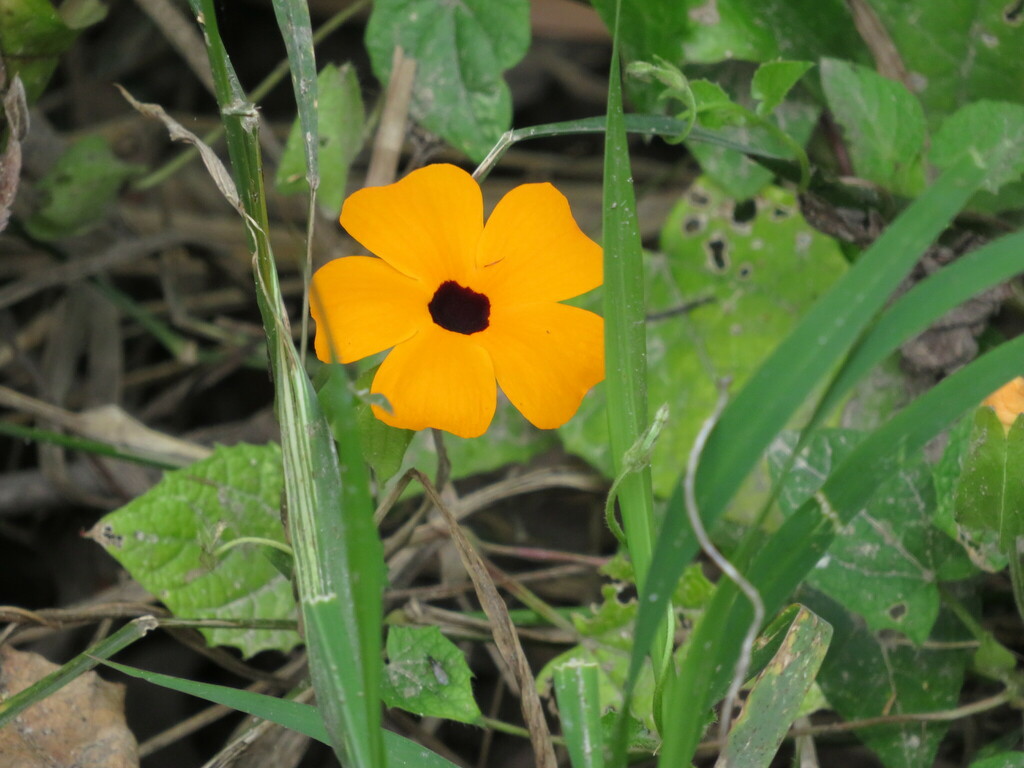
786	380
12	706
625	330
338	556
792	551
303	718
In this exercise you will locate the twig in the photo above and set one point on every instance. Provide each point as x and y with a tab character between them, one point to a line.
387	145
69	272
182	34
504	633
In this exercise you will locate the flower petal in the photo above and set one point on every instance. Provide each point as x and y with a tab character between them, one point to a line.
362	306
532	250
426	226
437	379
546	358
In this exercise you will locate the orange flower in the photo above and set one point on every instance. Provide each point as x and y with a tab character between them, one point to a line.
1007	401
463	304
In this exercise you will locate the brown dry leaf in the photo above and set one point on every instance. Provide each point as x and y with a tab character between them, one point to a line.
15	115
82	724
178	132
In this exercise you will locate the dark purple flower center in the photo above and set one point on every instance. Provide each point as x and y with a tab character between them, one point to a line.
459	309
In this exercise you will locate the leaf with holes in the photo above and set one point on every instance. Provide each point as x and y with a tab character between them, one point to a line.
166	540
867	675
427	674
461	50
732	281
887	563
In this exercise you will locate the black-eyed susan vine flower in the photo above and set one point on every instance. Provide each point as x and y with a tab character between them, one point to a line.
463	305
1007	401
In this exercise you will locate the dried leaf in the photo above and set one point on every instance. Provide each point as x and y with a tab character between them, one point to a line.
178	132
82	724
15	115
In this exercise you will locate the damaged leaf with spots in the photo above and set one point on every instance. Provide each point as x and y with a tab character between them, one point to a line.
427	674
778	693
167	540
886	564
867	675
730	283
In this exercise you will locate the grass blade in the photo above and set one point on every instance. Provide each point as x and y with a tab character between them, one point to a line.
793	550
786	380
303	718
952	285
579	708
293	20
339	564
625	332
12	706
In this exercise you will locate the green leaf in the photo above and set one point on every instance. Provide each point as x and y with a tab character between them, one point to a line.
1005	760
777	695
984	128
461	50
750	268
384	446
340	122
166	537
883	124
763	30
734	171
772	81
427	674
647	31
698	31
510	439
77	191
746	428
726	109
981	545
32	38
612	664
990	495
79	14
956	52
886	563
303	718
865	676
